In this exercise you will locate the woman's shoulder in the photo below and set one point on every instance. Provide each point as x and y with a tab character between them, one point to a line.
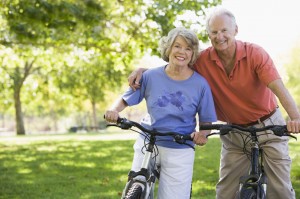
199	77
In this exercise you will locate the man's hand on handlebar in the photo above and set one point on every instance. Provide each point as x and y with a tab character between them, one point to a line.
135	77
293	126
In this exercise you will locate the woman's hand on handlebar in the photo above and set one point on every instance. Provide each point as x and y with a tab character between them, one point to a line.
135	77
111	116
199	137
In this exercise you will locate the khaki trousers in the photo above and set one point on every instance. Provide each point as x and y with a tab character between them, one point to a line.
277	163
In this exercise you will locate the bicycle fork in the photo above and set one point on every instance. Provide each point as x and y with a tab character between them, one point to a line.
257	167
145	177
264	180
256	177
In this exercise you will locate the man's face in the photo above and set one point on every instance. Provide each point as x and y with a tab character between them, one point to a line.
221	32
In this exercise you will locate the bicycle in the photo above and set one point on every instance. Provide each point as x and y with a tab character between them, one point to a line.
253	185
140	185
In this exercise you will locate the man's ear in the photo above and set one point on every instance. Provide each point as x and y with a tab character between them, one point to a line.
236	30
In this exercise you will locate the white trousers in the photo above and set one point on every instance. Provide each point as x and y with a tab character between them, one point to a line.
176	170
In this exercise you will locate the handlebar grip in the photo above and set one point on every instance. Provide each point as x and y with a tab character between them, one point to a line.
119	120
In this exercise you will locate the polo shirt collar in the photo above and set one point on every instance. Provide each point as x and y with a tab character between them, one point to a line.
240	51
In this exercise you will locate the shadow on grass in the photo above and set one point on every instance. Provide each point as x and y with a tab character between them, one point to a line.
64	169
68	169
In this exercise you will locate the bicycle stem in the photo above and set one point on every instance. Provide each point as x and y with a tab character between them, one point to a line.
254	159
255	154
148	152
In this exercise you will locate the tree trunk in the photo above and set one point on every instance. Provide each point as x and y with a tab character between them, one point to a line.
95	121
19	115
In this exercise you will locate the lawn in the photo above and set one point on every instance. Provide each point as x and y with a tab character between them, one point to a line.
88	167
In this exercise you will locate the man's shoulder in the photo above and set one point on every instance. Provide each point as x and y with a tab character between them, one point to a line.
248	45
206	50
204	54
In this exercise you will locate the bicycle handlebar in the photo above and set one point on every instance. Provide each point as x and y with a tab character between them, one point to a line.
126	124
279	130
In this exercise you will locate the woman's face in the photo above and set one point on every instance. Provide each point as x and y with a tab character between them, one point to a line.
181	53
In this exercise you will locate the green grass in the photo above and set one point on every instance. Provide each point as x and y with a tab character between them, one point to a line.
84	166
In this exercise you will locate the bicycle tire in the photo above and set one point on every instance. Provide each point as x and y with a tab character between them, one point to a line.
135	191
250	193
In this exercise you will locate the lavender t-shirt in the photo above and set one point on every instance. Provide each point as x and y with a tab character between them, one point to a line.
173	105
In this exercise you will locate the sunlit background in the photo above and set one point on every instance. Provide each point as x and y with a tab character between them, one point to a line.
273	24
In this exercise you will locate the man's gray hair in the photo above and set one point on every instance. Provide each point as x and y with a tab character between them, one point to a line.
218	11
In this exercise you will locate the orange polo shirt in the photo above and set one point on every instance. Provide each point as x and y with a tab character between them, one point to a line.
243	96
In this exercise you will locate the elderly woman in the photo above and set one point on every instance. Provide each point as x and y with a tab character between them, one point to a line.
174	95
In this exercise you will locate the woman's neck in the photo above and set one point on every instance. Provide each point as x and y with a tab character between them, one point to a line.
178	73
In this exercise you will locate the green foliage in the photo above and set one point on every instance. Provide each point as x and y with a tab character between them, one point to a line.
293	71
44	21
85	166
84	49
109	25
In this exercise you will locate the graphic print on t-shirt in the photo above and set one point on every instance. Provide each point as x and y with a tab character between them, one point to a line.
175	99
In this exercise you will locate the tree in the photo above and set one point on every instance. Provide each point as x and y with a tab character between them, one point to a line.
293	71
18	76
117	32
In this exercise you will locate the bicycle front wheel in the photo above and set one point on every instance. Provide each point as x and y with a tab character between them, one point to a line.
248	193
135	191
251	193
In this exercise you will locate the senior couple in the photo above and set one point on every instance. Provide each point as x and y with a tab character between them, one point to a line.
232	81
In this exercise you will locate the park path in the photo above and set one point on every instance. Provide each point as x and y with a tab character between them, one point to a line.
6	139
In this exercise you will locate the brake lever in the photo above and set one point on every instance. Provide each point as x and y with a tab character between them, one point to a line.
111	124
180	139
286	134
124	123
212	134
292	136
282	131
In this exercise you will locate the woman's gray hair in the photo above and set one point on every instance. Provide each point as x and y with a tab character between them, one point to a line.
166	43
218	11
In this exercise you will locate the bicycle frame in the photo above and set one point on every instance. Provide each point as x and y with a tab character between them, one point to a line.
140	184
253	185
256	178
145	176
